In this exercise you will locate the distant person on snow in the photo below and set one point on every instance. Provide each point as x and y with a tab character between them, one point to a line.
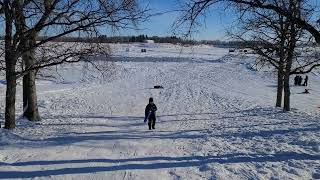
296	80
306	81
150	114
300	81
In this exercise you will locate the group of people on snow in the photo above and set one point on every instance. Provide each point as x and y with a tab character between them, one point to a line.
298	81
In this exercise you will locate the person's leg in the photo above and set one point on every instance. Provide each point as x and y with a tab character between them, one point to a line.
153	123
149	123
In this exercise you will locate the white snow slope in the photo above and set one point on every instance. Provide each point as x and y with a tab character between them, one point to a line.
216	120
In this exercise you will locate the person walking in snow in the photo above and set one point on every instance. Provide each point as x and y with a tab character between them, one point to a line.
150	114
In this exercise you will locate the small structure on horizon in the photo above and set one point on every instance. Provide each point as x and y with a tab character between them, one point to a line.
232	50
149	41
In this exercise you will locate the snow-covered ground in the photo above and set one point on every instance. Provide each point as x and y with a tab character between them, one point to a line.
216	120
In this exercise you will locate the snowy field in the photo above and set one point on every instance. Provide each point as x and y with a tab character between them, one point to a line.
216	120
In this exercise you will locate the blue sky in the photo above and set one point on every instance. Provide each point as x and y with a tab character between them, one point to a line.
214	28
217	21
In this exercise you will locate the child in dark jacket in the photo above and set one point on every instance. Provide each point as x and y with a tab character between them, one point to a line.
150	114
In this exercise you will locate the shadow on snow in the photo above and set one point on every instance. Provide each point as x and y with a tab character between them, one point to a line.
142	163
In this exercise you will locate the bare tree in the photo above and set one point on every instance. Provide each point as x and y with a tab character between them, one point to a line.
27	19
10	63
266	33
300	21
194	10
276	40
277	35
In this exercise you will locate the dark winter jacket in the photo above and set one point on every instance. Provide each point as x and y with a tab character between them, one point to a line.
151	108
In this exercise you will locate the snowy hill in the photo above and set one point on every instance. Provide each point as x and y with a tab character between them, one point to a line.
216	120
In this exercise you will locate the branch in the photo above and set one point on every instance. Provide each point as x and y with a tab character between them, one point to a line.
298	20
64	53
63	17
305	72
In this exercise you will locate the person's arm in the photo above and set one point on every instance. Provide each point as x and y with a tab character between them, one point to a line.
146	112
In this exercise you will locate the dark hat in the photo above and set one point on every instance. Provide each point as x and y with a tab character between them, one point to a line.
150	99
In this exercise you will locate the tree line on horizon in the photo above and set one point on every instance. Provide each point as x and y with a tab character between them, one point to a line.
157	39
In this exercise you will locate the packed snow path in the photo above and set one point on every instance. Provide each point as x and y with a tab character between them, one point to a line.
216	120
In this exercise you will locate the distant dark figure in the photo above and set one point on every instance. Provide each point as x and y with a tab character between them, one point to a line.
158	87
306	81
150	114
306	91
300	81
296	79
